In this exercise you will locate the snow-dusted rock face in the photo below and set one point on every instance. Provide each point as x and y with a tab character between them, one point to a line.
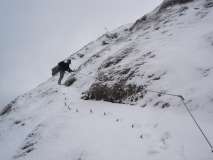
170	3
149	40
168	50
156	15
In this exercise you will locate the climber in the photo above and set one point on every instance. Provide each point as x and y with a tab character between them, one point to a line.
62	67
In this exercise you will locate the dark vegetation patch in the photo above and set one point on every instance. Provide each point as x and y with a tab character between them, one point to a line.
111	85
116	93
121	75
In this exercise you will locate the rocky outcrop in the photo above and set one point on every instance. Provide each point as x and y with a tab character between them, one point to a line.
170	3
146	19
8	108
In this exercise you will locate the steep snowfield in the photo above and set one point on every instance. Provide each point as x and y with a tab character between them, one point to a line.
170	50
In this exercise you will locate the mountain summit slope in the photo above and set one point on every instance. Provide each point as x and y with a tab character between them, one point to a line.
169	50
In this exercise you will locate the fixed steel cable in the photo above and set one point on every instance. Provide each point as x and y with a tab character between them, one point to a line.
190	113
184	104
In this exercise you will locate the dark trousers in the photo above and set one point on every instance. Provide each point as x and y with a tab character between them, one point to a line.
61	76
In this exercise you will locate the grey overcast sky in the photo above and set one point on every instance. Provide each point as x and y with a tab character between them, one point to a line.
36	34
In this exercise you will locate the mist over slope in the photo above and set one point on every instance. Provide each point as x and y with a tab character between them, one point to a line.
168	50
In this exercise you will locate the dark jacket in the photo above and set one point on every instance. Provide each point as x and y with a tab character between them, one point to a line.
63	66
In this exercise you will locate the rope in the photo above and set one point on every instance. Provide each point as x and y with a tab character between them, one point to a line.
185	105
169	94
198	126
190	113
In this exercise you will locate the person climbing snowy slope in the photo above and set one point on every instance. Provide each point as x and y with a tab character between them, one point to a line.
62	68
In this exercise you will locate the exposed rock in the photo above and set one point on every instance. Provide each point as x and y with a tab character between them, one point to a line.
80	55
104	43
143	19
165	105
111	35
29	143
156	78
208	4
70	81
183	9
8	108
162	104
17	122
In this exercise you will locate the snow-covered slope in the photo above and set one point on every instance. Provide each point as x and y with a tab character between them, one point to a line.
169	50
